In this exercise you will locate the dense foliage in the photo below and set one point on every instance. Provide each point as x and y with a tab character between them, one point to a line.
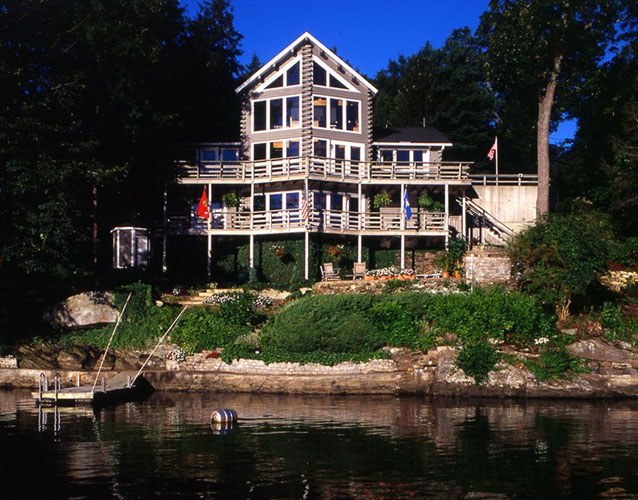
356	326
561	257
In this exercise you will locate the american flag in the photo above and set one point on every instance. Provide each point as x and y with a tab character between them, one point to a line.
493	149
304	207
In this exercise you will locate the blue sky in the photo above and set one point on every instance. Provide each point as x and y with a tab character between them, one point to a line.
366	33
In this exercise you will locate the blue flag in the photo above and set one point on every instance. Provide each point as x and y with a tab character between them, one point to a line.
408	210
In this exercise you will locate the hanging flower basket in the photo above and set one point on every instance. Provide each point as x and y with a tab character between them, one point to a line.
277	250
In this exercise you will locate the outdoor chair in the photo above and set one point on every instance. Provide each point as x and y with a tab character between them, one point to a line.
329	273
358	270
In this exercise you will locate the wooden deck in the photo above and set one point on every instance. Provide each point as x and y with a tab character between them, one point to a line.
108	391
315	168
325	221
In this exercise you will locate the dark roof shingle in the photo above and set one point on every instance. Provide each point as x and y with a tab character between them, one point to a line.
427	135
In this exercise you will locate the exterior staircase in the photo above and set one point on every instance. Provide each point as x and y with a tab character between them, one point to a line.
491	230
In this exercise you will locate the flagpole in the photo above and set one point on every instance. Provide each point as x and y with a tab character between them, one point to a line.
496	154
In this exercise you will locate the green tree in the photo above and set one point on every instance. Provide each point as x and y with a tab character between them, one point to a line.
561	256
544	52
444	87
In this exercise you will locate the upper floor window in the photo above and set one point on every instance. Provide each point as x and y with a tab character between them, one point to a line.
324	77
337	114
276	149
288	76
277	113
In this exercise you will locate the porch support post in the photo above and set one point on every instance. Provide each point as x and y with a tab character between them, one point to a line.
209	255
209	251
447	214
359	248
306	255
464	216
252	206
403	251
251	252
360	217
165	234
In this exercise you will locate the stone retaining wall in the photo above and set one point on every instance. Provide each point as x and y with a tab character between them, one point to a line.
363	286
8	362
487	266
200	362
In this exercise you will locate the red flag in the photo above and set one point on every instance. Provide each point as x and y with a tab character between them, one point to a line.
493	149
202	208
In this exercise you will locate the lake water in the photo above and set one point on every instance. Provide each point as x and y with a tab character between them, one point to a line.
320	447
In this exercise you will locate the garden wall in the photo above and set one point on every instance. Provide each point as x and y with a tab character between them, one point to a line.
487	265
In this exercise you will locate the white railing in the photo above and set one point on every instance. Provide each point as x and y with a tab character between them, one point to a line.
320	220
316	167
504	179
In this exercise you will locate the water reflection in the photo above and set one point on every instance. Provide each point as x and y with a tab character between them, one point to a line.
322	447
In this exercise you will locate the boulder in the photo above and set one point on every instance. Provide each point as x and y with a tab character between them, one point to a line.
85	310
599	350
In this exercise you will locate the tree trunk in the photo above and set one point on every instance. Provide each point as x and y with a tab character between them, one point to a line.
94	228
545	104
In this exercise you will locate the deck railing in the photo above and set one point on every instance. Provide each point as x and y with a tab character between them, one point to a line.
321	220
504	179
327	168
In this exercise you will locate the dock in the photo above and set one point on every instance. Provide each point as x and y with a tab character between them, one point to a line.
118	388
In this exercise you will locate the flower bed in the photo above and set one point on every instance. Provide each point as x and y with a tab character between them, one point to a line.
389	273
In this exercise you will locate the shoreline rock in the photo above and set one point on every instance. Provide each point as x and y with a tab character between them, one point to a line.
432	373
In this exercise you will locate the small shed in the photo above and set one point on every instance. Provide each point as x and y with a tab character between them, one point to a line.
131	247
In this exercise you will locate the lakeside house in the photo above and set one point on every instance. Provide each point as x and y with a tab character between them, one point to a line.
309	165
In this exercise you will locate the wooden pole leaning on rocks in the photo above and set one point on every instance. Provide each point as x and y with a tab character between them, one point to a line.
159	342
117	323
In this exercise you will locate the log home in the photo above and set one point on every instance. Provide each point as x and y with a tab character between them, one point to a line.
306	140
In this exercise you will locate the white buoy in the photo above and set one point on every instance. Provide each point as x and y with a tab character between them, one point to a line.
224	416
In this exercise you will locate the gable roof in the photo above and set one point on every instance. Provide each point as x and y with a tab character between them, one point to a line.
412	135
305	37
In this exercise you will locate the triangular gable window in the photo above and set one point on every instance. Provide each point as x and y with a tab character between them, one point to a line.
323	77
287	76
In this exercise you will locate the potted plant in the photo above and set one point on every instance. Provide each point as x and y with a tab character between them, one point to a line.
382	200
277	250
427	203
230	200
335	251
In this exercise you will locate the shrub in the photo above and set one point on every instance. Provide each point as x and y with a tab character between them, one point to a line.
477	360
555	363
560	257
331	323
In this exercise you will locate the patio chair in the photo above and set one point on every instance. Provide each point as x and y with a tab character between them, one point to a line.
329	273
358	270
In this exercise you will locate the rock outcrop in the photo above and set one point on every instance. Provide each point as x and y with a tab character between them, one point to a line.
85	310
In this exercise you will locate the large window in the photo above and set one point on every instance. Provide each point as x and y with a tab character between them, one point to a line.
340	114
292	111
269	114
276	113
336	114
275	149
259	116
320	112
